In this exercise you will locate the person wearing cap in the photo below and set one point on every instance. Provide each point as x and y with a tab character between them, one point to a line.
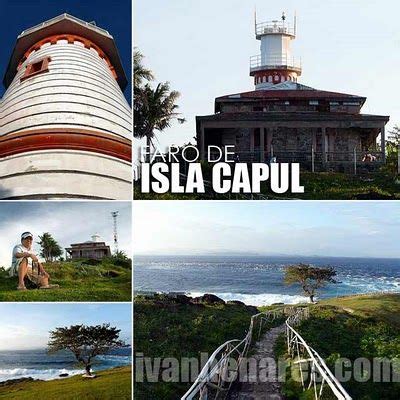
25	264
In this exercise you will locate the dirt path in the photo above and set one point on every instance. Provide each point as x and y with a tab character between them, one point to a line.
256	389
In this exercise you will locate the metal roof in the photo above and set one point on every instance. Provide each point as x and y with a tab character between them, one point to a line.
64	24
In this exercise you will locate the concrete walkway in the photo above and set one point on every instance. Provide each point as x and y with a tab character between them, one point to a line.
253	389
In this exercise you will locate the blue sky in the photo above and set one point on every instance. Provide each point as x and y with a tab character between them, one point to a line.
203	49
27	326
342	229
68	222
115	17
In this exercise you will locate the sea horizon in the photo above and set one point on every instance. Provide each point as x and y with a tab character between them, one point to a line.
39	365
258	280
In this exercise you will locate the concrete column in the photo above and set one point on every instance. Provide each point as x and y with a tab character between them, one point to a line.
383	143
262	144
314	140
269	141
202	147
251	142
324	145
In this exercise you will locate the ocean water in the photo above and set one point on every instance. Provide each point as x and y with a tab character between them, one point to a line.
40	365
258	280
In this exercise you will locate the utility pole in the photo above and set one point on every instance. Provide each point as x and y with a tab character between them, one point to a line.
114	215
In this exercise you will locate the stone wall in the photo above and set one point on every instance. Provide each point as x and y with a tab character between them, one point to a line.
299	140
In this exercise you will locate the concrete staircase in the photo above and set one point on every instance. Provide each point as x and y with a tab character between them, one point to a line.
254	389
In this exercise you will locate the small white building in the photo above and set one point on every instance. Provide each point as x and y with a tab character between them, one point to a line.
65	125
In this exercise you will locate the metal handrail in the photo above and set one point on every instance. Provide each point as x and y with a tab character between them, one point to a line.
295	341
273	61
296	344
274	27
210	371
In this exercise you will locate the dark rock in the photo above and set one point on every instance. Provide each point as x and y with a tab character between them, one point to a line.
253	309
17	381
237	302
183	299
277	304
63	375
208	299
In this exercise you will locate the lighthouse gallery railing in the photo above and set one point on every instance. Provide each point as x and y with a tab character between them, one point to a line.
217	366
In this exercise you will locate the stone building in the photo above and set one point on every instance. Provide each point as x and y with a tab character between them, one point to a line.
92	249
65	125
286	121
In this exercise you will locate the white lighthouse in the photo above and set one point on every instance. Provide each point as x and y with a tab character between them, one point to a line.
65	125
275	63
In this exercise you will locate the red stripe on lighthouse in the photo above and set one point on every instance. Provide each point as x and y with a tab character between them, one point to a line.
67	139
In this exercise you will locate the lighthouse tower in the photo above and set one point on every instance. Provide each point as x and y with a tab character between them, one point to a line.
65	125
275	63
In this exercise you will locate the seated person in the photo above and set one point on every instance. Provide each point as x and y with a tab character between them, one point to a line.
25	264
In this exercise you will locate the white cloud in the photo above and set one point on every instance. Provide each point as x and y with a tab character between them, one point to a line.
67	223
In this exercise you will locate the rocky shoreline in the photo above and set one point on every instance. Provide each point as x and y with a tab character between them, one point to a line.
181	298
10	382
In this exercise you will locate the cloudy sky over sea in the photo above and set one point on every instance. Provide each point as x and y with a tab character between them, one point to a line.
27	326
68	222
331	229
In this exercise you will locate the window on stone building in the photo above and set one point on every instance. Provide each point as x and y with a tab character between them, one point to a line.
36	68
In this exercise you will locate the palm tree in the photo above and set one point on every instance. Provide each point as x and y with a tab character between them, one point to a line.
140	73
50	249
155	109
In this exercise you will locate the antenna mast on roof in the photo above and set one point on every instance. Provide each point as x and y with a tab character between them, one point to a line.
255	19
114	215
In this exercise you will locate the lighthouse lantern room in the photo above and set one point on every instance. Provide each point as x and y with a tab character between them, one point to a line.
275	63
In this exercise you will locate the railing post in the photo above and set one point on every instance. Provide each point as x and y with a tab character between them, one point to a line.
312	159
355	161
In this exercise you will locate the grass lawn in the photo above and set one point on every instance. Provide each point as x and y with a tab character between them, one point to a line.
365	326
111	384
339	186
78	280
383	307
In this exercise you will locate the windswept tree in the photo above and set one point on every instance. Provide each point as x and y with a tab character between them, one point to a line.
85	342
392	151
394	137
50	249
309	278
154	108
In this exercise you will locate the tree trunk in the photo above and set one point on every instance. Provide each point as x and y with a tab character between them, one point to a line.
312	298
88	368
148	144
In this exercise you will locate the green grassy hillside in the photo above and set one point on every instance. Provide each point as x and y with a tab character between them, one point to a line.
109	385
352	327
382	307
166	328
78	280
